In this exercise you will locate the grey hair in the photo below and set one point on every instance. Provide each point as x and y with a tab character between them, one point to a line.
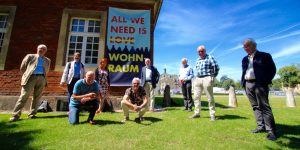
184	59
136	79
42	46
250	41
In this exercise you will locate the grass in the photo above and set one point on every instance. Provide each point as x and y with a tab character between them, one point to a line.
170	129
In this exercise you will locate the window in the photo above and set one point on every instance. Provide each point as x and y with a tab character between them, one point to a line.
3	28
84	37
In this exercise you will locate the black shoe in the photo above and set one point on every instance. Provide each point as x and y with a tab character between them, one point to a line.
139	119
258	130
32	117
271	136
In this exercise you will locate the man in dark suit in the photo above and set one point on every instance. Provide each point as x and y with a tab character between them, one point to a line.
258	71
149	79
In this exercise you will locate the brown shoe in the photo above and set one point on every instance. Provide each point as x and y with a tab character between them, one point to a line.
195	116
92	122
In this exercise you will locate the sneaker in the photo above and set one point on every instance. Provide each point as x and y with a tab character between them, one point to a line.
195	116
139	119
13	119
212	118
125	119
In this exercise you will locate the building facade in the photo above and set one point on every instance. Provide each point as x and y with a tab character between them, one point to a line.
65	26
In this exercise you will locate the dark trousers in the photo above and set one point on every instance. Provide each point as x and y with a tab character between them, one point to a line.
71	87
186	88
90	106
258	96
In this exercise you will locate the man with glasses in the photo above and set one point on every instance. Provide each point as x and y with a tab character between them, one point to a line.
258	71
207	70
135	99
34	69
72	73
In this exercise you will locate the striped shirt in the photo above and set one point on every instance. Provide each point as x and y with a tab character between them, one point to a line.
207	66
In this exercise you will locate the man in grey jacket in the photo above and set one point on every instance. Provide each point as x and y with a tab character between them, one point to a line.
34	69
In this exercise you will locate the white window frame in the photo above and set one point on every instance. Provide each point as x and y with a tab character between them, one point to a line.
84	34
4	30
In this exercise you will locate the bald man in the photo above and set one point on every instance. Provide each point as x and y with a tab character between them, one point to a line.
85	94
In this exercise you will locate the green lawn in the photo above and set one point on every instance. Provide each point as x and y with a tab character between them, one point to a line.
170	129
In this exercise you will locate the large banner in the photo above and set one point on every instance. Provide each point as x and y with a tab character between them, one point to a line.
128	44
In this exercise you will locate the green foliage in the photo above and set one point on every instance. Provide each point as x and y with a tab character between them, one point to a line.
276	84
170	129
290	75
226	82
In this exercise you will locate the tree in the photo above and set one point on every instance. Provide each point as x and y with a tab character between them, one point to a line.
276	84
290	77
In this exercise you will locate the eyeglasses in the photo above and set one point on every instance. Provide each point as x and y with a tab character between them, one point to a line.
136	83
200	51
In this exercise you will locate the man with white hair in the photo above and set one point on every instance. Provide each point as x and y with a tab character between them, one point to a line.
185	77
149	79
207	70
135	98
34	69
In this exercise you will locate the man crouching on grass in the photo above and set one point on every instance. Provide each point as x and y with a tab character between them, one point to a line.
135	99
85	94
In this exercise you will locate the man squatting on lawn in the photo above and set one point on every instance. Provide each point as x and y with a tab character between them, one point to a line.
135	98
85	94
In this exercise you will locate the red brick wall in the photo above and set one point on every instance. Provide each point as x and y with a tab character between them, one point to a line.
10	83
38	21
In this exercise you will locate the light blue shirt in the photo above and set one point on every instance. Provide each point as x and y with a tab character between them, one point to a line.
186	73
81	88
39	68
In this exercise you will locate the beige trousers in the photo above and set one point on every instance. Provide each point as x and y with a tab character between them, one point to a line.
125	108
206	84
150	93
35	84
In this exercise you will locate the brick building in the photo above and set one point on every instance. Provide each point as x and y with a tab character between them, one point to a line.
25	24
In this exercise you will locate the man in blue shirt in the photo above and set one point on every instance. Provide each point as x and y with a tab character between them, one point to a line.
34	69
206	71
186	75
85	94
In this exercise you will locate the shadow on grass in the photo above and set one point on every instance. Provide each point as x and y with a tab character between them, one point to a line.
151	119
106	122
230	117
12	139
290	133
53	116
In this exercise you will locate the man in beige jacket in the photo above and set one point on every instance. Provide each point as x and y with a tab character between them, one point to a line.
34	69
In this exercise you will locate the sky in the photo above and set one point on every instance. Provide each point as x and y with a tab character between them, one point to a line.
222	26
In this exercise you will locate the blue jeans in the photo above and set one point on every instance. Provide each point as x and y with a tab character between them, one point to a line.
91	106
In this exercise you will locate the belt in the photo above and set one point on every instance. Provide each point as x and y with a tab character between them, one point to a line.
202	76
38	74
252	80
148	81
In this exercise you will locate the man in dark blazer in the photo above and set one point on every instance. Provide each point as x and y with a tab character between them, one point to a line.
149	79
258	71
